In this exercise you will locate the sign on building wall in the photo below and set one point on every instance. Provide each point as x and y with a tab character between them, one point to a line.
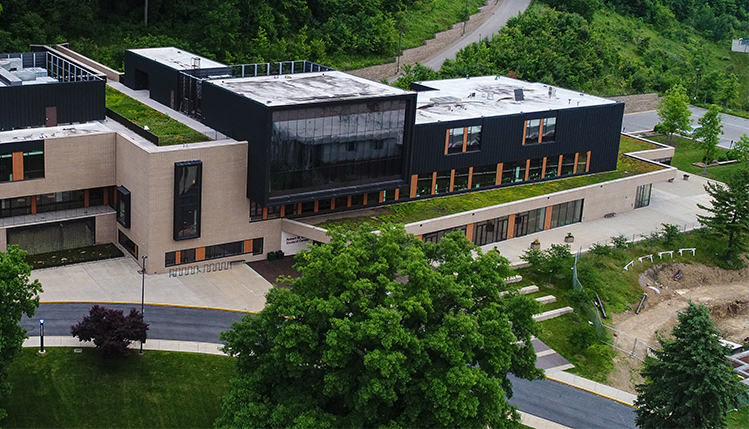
293	244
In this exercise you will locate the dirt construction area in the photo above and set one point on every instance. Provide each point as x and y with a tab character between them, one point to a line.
670	287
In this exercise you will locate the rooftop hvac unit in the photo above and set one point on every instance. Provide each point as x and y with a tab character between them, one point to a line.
11	64
519	95
196	62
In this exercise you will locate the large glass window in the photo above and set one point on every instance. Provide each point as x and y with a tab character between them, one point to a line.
224	250
60	201
15	207
582	162
443	182
484	176
424	185
566	213
455	140
552	166
33	164
490	231
568	164
316	148
550	130
534	171
6	167
532	128
642	198
460	183
513	172
473	142
529	222
123	206
435	237
187	199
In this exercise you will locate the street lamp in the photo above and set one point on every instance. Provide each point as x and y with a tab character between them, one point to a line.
142	292
41	336
400	53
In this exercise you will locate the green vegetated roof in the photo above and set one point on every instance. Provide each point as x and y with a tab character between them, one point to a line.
170	131
415	211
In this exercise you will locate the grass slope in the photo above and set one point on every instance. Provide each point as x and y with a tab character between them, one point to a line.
82	390
687	152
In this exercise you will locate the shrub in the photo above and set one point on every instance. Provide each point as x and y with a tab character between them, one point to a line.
620	242
110	330
582	337
671	233
601	250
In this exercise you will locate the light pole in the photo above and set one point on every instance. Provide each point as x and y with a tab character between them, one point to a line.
41	336
142	292
465	20
400	53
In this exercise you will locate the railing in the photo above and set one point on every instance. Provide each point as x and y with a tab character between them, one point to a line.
283	67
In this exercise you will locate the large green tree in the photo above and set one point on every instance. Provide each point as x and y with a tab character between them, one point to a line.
382	329
729	211
18	296
674	111
742	149
710	130
689	383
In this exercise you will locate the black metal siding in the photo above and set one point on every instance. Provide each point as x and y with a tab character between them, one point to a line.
594	129
24	106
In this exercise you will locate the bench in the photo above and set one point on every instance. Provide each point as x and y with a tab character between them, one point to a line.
609	215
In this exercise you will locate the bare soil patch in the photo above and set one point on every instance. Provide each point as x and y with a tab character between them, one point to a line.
725	292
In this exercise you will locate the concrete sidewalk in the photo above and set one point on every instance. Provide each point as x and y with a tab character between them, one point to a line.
672	203
119	281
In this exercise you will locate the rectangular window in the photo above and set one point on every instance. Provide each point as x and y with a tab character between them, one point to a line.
435	237
289	210
461	179
257	246
123	206
642	198
187	199
424	185
274	212
6	167
513	172
33	164
552	167
256	211
224	250
534	172
484	176
60	201
187	256
170	259
582	162
443	182
15	207
127	243
96	197
550	130
455	140
568	164
532	127
566	213
473	143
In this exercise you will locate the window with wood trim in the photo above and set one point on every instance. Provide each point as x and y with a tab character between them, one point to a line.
542	130
455	140
463	139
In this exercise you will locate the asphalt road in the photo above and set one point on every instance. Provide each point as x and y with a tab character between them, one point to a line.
543	398
505	11
733	127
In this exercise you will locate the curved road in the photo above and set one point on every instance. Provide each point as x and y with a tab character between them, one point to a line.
543	398
505	11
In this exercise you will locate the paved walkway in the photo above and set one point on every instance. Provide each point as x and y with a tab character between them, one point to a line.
119	280
673	203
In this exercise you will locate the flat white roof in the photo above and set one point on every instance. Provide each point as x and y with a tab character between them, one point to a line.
303	88
466	98
177	58
51	132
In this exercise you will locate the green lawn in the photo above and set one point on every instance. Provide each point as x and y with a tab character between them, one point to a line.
82	390
74	256
170	132
415	211
738	419
687	153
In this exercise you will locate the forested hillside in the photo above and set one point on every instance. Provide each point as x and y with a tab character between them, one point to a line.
617	48
341	33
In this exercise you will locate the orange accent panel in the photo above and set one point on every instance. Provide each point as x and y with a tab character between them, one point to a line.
17	166
317	206
540	130
452	181
348	201
511	226
382	197
414	183
418	237
265	213
332	203
85	198
247	246
498	180
525	130
283	210
434	182
364	200
574	169
547	219
465	139
587	163
447	140
177	258
470	177
33	204
397	195
136	251
200	254
469	232
527	169
559	166
543	168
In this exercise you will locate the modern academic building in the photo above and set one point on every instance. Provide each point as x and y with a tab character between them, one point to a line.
291	142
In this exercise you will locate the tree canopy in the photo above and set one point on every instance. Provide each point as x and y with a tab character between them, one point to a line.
729	212
710	130
110	330
689	383
18	296
382	329
673	110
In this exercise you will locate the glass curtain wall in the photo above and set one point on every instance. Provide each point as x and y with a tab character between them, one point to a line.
323	147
